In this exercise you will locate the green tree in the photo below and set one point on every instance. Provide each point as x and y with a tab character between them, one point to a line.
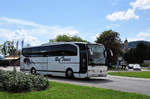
148	51
142	51
7	48
66	38
130	56
138	54
111	41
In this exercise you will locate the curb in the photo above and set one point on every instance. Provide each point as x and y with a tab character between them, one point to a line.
129	78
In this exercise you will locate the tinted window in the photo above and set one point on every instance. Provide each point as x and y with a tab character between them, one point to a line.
81	46
63	50
27	52
55	50
43	51
35	51
69	50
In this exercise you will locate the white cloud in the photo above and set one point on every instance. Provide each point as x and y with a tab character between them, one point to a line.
143	34
140	36
130	13
20	22
122	15
19	35
135	39
31	32
141	4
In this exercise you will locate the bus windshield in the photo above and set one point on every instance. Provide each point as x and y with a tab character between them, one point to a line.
96	54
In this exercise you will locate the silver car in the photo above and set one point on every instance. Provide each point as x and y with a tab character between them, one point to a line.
134	66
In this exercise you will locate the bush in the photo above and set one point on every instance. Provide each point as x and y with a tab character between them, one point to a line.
19	82
144	65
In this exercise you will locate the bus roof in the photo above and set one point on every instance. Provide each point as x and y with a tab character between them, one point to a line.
55	43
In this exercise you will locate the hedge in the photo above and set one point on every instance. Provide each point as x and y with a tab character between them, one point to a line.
13	81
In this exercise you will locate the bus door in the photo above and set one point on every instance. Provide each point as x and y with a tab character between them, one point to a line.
83	58
83	61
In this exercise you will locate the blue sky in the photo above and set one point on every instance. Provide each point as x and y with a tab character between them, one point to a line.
37	21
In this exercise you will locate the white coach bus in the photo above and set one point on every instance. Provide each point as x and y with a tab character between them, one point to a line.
70	59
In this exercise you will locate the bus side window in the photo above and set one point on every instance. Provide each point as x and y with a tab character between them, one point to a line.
27	52
63	50
44	51
35	52
69	50
56	50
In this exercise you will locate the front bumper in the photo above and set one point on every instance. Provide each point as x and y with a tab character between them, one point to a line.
97	75
97	71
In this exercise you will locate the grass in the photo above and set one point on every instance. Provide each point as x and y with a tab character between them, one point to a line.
69	91
141	74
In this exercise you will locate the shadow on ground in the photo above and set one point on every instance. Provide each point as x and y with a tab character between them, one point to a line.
81	80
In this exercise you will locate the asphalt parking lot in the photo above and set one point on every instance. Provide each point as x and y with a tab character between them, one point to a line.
111	82
136	85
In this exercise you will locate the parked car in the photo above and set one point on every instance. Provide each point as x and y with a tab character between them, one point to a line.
130	66
134	66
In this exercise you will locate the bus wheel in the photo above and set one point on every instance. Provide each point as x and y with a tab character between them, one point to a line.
69	73
33	71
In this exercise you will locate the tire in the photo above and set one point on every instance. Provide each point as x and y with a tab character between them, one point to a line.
69	73
17	63
33	71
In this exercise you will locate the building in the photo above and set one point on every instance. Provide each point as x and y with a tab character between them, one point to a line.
126	45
